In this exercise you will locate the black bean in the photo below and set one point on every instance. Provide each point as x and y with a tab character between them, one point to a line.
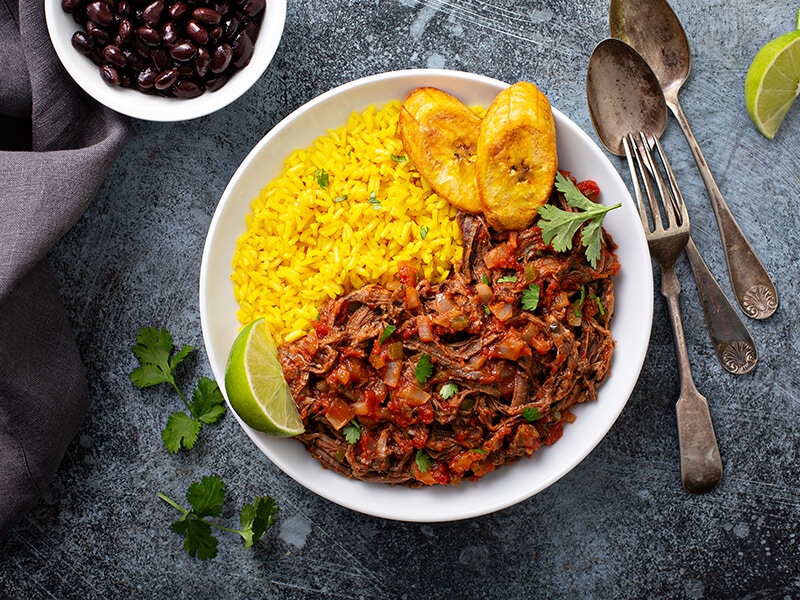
100	13
110	74
161	59
183	51
213	84
148	35
221	58
115	56
252	7
186	88
125	30
197	32
166	80
124	8
82	42
206	15
215	34
230	27
177	11
146	78
242	50
169	33
202	63
152	13
97	32
70	6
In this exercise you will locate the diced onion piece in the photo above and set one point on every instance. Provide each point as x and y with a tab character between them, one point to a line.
502	310
424	328
391	376
412	298
484	292
444	303
512	347
339	414
413	396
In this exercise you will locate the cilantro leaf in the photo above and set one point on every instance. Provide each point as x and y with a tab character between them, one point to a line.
322	178
207	496
507	279
207	404
448	390
423	460
423	231
198	541
181	430
530	414
153	349
387	331
530	297
352	432
559	226
424	369
398	159
256	518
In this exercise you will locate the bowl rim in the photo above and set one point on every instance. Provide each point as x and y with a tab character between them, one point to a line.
147	107
441	500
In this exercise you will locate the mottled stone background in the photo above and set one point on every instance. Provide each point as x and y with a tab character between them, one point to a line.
617	526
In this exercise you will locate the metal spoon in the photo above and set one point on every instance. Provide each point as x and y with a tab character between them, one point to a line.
624	97
653	29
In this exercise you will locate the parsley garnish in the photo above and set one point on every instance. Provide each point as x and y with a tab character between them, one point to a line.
424	462
530	297
424	368
485	279
153	349
321	176
530	414
206	498
559	226
507	279
387	331
423	231
600	308
352	432
399	159
448	390
373	199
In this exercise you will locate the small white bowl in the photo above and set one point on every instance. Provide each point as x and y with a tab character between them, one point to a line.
630	326
149	107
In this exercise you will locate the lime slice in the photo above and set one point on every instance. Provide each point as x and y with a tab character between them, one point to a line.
773	82
255	385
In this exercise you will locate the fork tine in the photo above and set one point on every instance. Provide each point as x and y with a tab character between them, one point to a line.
645	168
628	144
676	198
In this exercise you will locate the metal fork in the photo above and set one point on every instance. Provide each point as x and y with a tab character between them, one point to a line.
667	233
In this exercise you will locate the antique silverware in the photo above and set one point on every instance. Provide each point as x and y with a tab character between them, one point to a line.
624	96
652	28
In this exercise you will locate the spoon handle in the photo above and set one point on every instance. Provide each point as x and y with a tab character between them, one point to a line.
701	465
735	349
752	286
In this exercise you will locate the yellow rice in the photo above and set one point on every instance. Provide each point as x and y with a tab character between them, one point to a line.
309	239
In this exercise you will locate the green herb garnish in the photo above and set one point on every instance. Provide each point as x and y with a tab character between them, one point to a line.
338	199
423	231
507	279
530	414
373	199
485	279
448	390
352	432
399	159
424	462
387	331
322	179
559	226
530	297
206	498
157	364
424	369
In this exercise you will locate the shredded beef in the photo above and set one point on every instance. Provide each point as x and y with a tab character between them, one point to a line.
503	379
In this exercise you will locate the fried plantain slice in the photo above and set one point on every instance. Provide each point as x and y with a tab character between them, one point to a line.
440	136
516	158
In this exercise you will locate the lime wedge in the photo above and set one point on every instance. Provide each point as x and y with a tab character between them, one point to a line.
255	385
773	82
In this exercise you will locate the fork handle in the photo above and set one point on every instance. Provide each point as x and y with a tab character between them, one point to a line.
701	466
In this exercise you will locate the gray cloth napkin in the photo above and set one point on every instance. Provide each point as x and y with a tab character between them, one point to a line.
56	146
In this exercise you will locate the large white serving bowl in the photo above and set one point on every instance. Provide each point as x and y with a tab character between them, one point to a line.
150	107
508	485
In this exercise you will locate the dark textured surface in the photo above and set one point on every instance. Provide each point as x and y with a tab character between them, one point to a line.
619	525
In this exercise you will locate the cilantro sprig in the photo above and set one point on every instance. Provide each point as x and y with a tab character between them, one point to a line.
559	226
206	498
424	369
157	364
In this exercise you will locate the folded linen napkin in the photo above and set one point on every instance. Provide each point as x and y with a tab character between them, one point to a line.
56	146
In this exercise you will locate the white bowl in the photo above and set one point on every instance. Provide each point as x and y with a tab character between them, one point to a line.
149	107
630	326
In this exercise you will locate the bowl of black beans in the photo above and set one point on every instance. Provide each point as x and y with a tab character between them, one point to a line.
165	60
